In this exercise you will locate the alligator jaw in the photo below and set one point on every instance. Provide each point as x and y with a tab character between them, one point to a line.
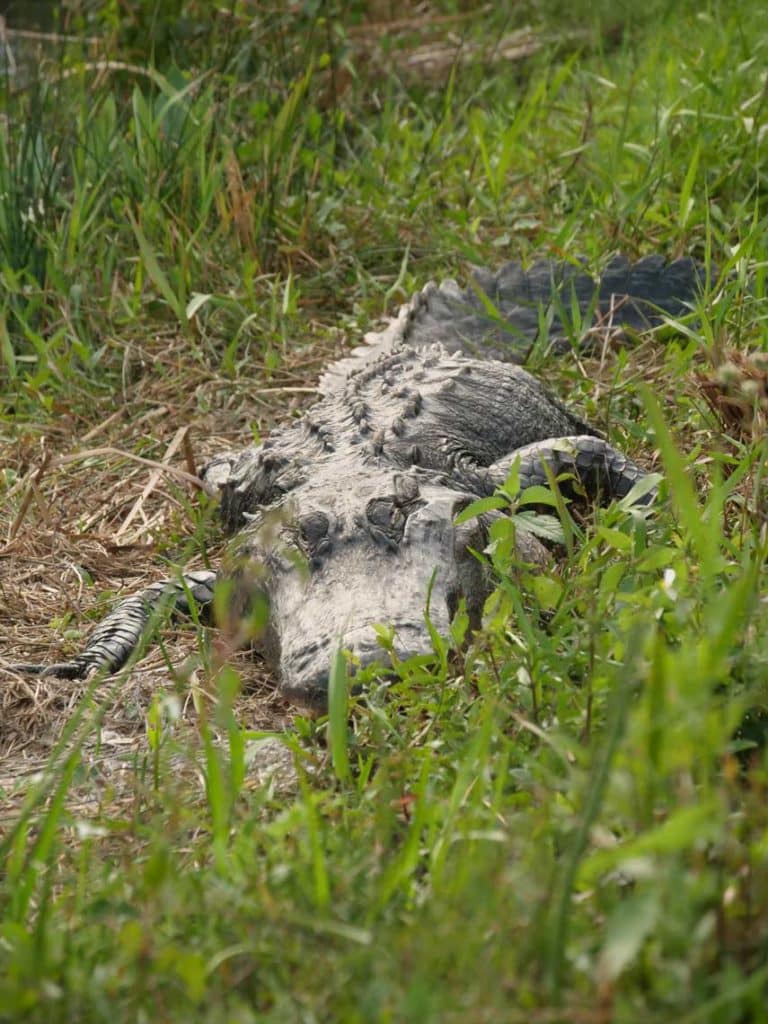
305	678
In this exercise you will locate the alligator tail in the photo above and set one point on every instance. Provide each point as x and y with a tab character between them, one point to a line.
118	635
502	313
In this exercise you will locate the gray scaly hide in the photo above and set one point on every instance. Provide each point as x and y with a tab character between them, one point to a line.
345	519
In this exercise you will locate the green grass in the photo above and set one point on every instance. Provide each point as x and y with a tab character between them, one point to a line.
551	825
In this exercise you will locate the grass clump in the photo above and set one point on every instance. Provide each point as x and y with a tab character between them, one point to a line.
565	821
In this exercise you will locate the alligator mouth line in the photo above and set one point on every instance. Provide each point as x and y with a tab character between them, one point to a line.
306	673
362	640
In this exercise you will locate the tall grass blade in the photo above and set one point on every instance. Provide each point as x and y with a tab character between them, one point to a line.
338	711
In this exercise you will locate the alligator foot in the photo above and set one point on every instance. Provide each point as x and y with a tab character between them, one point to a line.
604	473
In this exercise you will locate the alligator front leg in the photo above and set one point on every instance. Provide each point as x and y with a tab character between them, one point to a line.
603	472
118	635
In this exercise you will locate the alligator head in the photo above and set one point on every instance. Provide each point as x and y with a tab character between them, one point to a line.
344	553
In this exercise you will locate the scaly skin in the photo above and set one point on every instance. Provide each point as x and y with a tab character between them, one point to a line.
117	636
345	518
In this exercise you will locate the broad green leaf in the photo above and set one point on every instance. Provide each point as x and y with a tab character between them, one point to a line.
494	503
630	924
615	539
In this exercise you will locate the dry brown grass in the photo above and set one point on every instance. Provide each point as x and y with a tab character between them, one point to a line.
737	392
78	533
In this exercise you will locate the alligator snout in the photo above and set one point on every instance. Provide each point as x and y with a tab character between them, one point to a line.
307	670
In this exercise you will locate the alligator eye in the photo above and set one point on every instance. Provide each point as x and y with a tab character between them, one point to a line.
386	522
313	530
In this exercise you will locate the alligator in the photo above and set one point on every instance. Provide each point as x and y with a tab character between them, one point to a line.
347	518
